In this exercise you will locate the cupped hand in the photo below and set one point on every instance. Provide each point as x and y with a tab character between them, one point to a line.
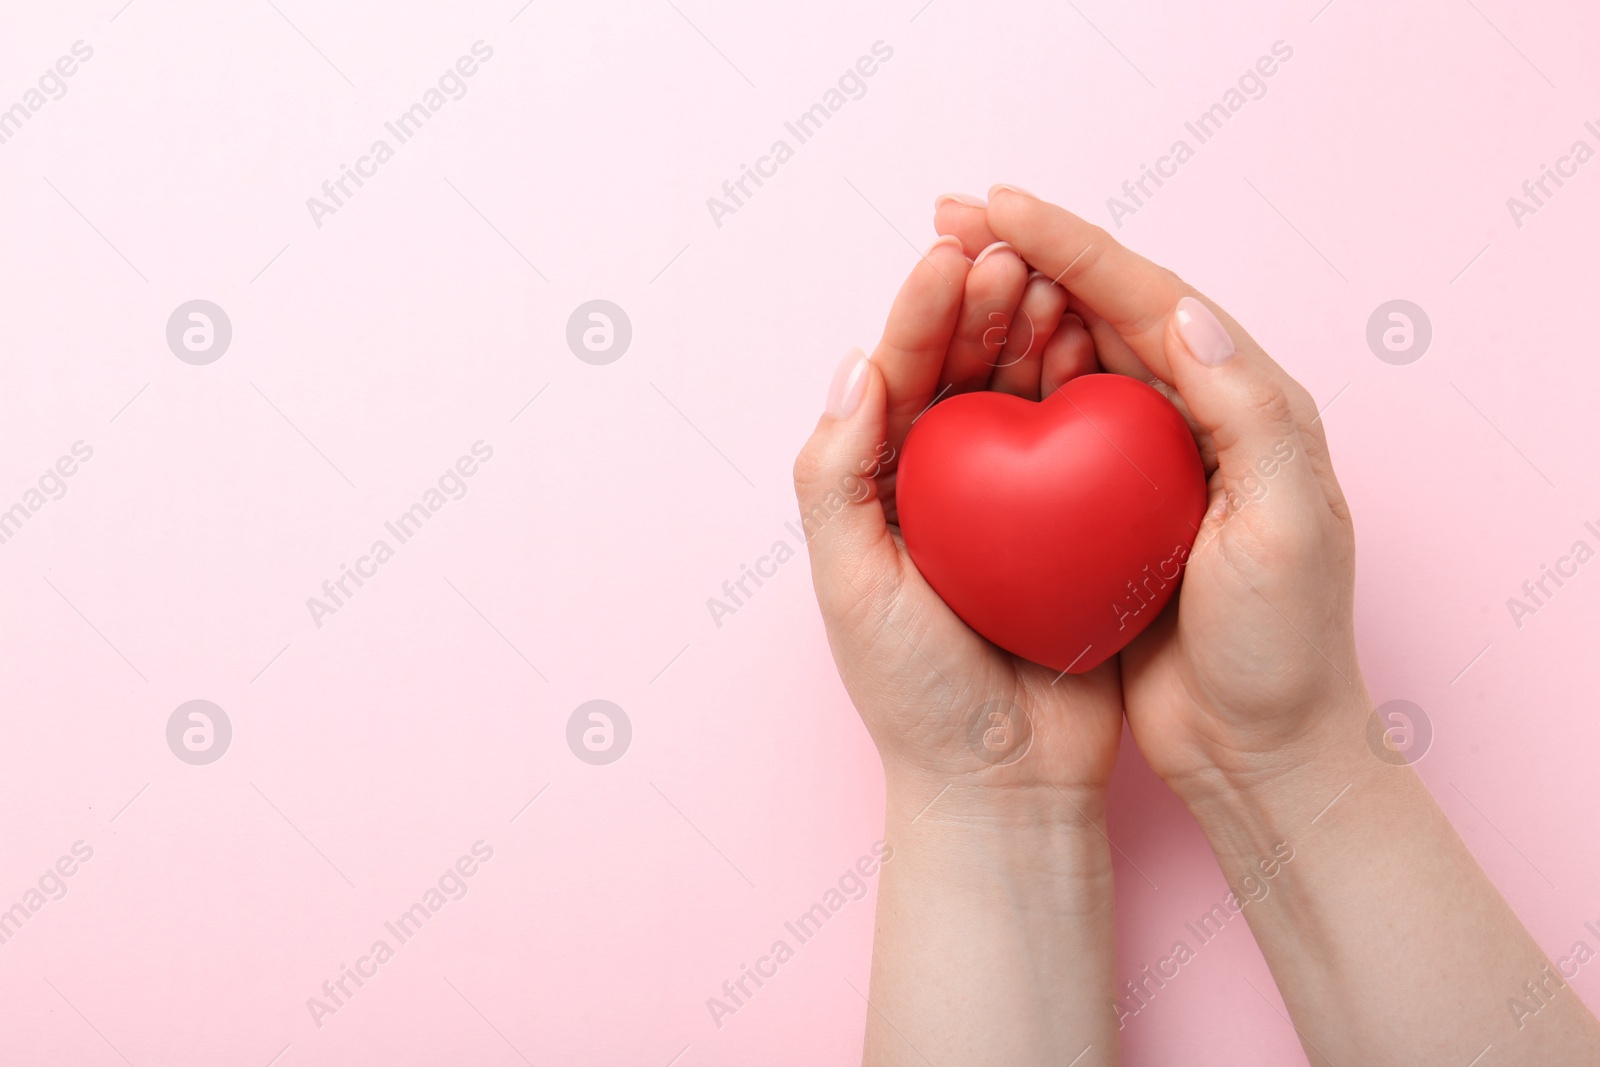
1253	666
944	705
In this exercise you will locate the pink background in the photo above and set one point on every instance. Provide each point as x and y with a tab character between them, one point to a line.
369	754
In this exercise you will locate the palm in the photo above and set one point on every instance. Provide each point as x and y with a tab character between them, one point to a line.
1248	639
1179	655
964	702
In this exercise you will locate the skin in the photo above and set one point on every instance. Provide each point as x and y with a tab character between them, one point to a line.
994	932
1388	943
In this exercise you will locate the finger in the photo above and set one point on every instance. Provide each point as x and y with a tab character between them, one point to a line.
1132	294
1069	355
1129	293
1137	299
917	334
1202	436
994	287
853	556
1037	319
1316	439
1241	402
964	217
1111	351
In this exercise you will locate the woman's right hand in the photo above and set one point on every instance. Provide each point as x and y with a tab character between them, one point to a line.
1252	668
1387	941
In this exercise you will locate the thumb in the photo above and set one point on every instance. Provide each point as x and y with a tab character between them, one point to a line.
853	556
1240	398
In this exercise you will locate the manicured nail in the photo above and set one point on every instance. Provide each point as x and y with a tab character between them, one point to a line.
959	198
1205	337
1072	318
1009	189
998	246
947	239
848	385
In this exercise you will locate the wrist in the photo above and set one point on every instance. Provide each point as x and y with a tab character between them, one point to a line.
993	901
1263	762
963	833
1291	794
993	797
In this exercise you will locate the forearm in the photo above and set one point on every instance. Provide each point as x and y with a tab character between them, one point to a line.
994	940
1387	941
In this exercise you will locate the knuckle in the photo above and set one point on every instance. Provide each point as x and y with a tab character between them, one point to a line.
1303	403
1100	239
1268	402
809	468
1300	395
1099	243
1316	438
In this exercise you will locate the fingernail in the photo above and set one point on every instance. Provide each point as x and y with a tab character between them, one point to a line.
1009	189
1205	337
998	246
849	383
947	239
1072	318
959	198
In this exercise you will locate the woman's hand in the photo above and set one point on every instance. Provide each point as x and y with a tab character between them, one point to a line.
945	707
1387	941
1252	668
994	936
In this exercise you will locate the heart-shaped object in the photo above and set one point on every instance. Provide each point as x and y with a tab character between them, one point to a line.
1058	530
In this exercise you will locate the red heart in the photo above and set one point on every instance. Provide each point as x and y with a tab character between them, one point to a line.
1057	530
